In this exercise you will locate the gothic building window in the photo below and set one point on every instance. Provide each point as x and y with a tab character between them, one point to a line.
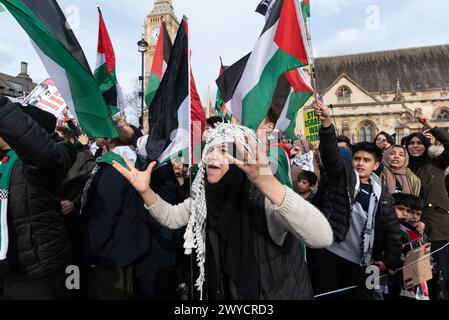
344	94
442	114
367	132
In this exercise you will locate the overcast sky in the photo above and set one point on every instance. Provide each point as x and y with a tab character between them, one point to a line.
230	28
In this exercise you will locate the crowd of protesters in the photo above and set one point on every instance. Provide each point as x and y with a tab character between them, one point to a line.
238	226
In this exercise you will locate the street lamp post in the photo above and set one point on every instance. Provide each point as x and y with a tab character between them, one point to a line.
143	47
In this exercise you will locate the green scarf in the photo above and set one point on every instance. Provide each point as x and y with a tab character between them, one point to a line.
6	165
111	156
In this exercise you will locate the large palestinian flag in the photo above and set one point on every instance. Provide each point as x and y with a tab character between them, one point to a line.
280	48
176	113
160	62
105	71
65	62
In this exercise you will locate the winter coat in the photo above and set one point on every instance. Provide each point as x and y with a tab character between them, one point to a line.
336	196
432	175
38	241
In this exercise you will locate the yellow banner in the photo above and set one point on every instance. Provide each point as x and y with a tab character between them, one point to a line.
312	125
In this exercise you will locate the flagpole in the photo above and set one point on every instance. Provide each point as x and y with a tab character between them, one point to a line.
190	144
312	58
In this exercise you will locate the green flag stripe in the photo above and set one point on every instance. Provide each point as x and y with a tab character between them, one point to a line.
281	164
305	9
153	85
256	103
104	79
93	115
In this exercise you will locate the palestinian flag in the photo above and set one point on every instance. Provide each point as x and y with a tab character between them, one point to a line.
160	62
220	105
171	111
409	234
305	7
105	73
300	92
59	50
280	48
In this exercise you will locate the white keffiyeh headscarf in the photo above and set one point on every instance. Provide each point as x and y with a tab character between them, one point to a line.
195	234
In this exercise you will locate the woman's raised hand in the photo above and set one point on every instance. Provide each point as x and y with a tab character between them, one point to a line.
140	180
255	163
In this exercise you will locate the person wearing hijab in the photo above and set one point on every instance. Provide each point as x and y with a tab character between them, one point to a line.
244	225
436	210
384	141
396	175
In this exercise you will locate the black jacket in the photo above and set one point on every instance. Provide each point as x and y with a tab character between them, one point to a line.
335	198
114	233
38	241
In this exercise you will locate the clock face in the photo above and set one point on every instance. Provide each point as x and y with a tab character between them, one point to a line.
154	34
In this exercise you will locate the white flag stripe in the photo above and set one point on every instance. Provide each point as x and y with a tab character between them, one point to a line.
283	123
59	77
264	51
101	60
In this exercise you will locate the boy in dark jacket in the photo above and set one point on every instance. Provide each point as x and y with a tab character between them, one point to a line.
361	213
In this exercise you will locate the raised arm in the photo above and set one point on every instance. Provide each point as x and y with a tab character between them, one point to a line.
173	217
286	211
34	146
300	218
330	155
441	135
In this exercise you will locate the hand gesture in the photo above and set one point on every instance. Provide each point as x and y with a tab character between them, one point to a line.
140	180
424	120
323	112
254	164
83	139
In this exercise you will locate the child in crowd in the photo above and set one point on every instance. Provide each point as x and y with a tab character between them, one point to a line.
408	210
305	184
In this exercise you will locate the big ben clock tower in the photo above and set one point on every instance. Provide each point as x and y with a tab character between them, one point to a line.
162	8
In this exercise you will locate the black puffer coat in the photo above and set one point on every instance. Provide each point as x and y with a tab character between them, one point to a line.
336	196
38	241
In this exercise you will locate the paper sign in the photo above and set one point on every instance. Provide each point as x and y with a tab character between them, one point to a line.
47	97
418	268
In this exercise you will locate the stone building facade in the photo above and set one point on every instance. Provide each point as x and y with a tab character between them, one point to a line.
380	91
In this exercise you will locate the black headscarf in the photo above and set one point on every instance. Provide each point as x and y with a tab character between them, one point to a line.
418	162
229	211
